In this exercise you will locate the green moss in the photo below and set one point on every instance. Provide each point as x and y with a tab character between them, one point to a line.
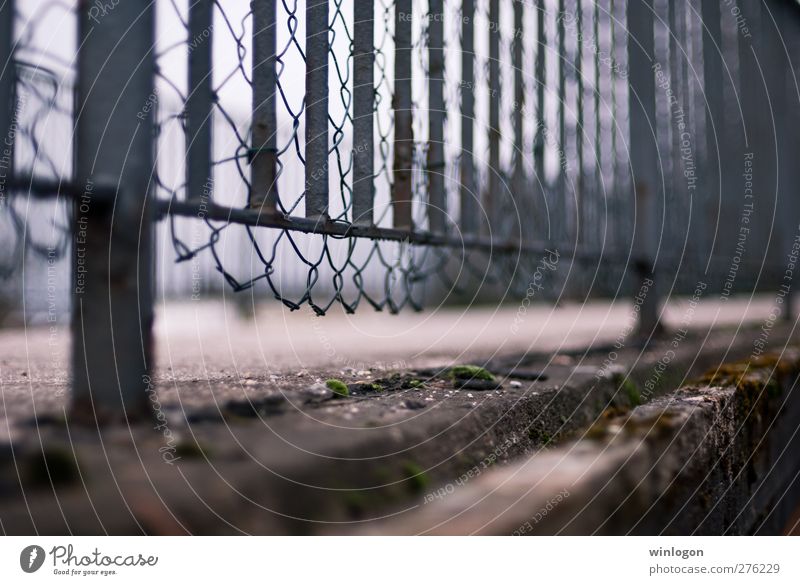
338	387
471	373
752	378
417	479
632	392
539	437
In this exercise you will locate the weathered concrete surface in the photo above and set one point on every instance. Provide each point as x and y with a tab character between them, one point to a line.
302	463
722	457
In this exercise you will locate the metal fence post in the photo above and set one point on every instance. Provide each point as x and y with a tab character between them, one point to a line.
493	188
363	112
264	151
469	189
715	128
580	197
200	102
540	184
559	206
112	243
316	105
644	161
435	162
524	201
403	109
8	76
784	100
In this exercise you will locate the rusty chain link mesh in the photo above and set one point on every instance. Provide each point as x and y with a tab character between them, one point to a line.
333	270
322	270
337	268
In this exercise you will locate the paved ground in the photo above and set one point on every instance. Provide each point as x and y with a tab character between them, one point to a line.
210	337
217	340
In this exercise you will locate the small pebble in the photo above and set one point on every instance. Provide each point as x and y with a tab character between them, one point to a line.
516	384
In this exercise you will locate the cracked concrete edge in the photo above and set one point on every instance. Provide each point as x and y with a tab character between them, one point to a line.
701	460
237	495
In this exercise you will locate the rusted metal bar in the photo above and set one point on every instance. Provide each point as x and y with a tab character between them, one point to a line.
494	186
583	202
469	189
112	300
715	113
559	200
316	108
435	163
264	150
644	159
363	112
524	200
255	217
200	102
403	110
540	130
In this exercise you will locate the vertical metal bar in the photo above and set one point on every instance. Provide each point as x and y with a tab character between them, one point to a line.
541	84
8	76
112	246
779	70
264	152
540	187
363	112
518	177
435	162
617	207
598	195
492	194
559	201
756	117
200	102
644	159
582	211
316	106
715	114
469	193
403	129
696	108
674	103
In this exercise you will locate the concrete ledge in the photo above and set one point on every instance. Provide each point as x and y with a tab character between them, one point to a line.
338	464
721	457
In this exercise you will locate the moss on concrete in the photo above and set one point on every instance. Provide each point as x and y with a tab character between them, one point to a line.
417	479
338	387
470	373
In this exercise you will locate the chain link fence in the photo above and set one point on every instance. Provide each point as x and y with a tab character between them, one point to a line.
335	153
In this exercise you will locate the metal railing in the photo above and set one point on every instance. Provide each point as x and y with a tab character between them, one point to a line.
644	141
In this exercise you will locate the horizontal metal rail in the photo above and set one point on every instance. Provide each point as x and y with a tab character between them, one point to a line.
258	218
